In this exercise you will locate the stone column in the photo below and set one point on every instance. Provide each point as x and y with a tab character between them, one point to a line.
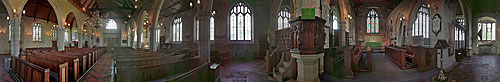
60	38
129	36
80	39
16	36
139	34
204	36
152	37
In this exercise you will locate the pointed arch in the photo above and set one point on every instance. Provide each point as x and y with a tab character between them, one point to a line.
240	22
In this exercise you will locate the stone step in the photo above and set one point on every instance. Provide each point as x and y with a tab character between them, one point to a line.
286	63
282	69
278	76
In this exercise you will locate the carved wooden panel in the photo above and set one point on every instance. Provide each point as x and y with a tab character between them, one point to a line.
308	35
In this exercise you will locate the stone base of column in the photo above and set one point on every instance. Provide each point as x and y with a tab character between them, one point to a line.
308	67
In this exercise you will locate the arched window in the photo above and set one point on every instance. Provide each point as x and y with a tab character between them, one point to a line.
372	22
111	24
487	28
177	29
53	32
283	17
37	32
240	23
460	34
212	28
421	24
66	36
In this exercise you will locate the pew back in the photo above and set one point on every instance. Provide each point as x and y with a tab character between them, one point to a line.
29	72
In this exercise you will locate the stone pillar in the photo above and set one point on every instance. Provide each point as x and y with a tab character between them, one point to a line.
60	38
129	36
80	39
134	36
204	36
16	37
139	34
307	67
152	38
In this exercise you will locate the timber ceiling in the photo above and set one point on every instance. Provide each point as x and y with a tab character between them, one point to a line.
40	9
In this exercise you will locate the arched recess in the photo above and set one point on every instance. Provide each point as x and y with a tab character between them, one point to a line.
401	29
461	33
5	33
143	19
42	13
72	27
486	34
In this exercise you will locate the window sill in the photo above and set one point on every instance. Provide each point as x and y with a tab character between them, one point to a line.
176	42
241	42
197	41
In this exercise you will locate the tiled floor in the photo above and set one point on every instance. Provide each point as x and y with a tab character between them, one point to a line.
384	70
480	68
245	71
101	71
5	77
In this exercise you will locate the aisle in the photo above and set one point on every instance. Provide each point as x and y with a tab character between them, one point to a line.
101	71
384	70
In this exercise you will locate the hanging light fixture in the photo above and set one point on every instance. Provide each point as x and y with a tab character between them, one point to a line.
190	4
8	18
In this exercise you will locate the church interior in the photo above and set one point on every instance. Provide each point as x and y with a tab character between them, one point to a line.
249	41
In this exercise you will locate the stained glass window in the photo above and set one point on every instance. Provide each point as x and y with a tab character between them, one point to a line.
372	22
240	23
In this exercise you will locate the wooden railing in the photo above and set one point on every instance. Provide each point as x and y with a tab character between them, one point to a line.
272	59
28	72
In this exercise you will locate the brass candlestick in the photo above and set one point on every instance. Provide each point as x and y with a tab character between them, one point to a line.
441	76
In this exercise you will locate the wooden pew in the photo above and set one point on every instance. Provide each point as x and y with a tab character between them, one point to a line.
28	72
73	62
397	56
84	58
61	68
424	58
